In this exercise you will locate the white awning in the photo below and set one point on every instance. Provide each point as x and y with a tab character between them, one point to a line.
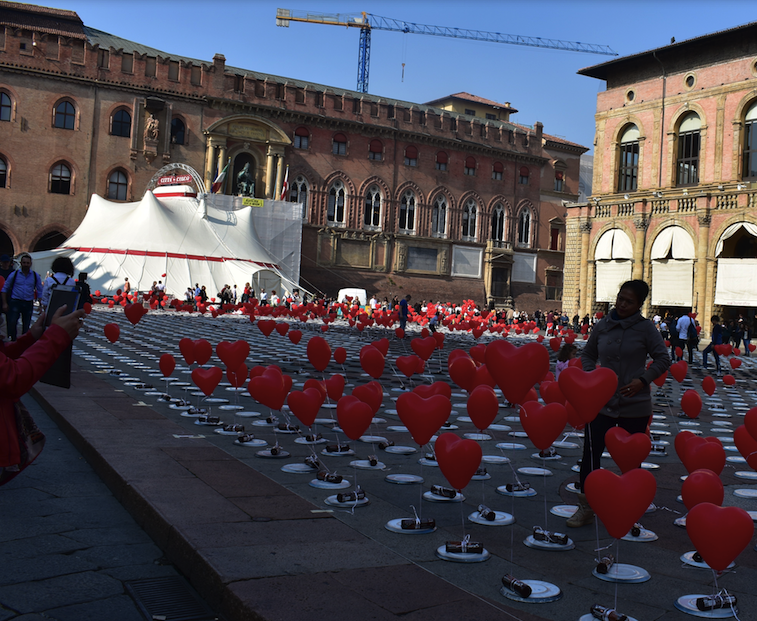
610	275
736	284
614	244
676	237
672	283
731	231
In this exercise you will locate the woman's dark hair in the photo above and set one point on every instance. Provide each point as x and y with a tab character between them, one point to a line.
565	351
639	288
63	265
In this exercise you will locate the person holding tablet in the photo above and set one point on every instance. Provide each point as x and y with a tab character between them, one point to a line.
63	276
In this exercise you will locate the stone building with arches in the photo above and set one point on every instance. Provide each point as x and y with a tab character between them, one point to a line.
397	197
675	181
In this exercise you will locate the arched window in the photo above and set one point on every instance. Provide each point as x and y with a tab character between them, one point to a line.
372	216
628	165
499	230
121	124
60	179
335	208
65	115
5	107
559	180
523	175
3	172
524	229
498	170
411	156
178	131
299	194
469	220
750	143
376	150
470	165
339	144
439	217
118	185
301	138
407	213
441	160
687	165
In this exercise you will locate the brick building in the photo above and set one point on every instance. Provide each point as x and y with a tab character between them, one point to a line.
675	175
398	197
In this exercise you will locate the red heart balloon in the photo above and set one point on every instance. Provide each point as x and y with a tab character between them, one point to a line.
305	404
627	450
708	385
462	371
354	416
335	387
620	501
319	353
543	424
458	459
233	354
266	326
423	347
319	385
382	345
282	328
691	403
167	364
202	351
747	445
134	312
729	380
295	336
516	370
187	348
483	406
399	333
478	353
372	361
238	376
409	365
679	370
112	332
719	534
704	453
207	379
702	486
370	393
555	343
437	388
551	393
735	363
482	378
588	392
340	355
423	417
269	388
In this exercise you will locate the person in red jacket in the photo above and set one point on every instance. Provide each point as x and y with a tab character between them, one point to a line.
22	364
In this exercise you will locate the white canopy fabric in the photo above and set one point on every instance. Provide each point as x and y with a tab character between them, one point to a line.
614	244
736	283
174	238
610	275
731	231
677	238
672	283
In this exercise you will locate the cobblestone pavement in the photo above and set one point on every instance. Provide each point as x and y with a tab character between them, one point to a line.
280	546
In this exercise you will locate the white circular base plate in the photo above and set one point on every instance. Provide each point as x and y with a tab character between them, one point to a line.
297	469
688	559
223	432
318	484
645	536
522	494
349	453
498	427
501	519
541	593
398	428
536	472
442	553
621	572
544	545
565	445
510	446
434	498
564	511
247	414
745	493
266	453
550	458
373	439
478	437
331	501
364	464
495	459
395	526
256	442
688	604
400	450
746	474
428	462
403	479
304	440
230	408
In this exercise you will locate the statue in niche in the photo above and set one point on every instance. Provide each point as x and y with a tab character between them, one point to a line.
151	129
401	257
444	261
245	183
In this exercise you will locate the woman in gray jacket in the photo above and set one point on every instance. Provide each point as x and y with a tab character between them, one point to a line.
621	341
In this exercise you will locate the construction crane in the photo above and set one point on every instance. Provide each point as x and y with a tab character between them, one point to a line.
367	22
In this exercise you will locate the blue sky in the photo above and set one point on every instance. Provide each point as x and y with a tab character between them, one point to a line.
542	84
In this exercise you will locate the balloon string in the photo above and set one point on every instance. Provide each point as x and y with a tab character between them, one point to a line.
617	560
420	486
462	519
544	477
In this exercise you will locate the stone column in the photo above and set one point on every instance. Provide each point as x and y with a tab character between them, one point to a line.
641	224
583	276
269	174
210	162
222	160
702	302
279	177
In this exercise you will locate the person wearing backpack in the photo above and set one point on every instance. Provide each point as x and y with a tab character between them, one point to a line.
687	333
20	290
63	275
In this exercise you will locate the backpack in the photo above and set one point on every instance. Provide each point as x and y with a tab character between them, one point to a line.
691	331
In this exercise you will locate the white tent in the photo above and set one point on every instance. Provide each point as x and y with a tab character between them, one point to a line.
173	236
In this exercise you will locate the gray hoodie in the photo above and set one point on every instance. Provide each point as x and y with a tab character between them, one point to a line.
623	346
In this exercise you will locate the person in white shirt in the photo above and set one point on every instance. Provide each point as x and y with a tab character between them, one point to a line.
263	297
682	328
63	275
275	300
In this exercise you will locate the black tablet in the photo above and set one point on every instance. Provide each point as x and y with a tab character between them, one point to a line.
58	297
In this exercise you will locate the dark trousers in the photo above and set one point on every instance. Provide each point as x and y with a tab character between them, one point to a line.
16	309
594	439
